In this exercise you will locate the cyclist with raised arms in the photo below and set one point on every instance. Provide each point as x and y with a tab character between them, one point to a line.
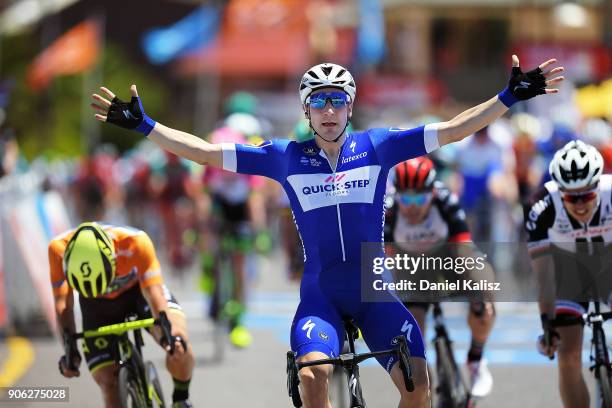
575	206
116	273
423	219
336	185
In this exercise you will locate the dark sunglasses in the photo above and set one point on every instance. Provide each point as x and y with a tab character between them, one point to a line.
584	196
337	99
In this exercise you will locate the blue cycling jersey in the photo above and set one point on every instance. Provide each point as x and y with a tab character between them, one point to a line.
335	209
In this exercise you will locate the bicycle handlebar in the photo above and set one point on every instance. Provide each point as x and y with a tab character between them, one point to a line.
586	318
162	321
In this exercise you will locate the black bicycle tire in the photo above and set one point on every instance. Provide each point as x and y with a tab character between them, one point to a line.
127	390
221	322
446	365
153	379
338	388
605	388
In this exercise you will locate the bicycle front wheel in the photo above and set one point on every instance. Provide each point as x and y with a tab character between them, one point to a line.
450	389
156	395
129	395
603	378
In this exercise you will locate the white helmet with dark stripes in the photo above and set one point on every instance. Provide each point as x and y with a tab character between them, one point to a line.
327	75
576	165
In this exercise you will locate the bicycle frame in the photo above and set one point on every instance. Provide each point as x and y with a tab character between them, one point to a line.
599	356
599	348
129	353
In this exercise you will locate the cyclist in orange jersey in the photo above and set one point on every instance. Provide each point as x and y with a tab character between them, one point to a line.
116	273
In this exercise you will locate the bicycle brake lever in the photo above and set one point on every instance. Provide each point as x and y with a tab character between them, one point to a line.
70	350
403	353
166	328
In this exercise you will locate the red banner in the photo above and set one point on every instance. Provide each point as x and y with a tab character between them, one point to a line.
75	51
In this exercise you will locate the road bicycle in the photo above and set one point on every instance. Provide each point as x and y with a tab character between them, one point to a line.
452	390
599	357
350	363
139	384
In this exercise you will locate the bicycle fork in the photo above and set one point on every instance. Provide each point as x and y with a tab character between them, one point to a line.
354	386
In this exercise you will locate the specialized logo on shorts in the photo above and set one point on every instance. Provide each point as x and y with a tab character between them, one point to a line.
407	328
307	327
321	190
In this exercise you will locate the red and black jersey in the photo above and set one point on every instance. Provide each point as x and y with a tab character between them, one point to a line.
444	223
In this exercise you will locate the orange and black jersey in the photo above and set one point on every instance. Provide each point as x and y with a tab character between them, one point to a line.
135	259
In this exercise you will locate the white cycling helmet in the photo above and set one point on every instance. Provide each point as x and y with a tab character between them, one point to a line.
327	75
576	165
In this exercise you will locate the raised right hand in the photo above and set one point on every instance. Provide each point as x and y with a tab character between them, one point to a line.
128	115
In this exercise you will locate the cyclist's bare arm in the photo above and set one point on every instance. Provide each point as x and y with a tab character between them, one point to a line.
180	143
154	295
543	267
186	145
480	116
64	312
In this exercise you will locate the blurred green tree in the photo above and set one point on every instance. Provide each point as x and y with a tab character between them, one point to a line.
50	122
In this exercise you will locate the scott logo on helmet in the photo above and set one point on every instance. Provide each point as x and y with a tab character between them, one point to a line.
85	269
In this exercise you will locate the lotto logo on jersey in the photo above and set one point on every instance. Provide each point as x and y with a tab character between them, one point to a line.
321	190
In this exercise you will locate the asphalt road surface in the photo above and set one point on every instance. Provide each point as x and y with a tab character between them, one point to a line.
256	377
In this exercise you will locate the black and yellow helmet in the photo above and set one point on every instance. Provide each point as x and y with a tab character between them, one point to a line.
89	260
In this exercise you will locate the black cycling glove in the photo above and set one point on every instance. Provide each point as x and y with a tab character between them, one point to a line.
523	86
71	357
130	115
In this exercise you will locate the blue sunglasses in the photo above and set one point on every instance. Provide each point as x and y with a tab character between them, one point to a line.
337	99
414	199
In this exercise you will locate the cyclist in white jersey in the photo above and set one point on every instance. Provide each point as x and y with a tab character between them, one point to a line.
574	207
336	186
